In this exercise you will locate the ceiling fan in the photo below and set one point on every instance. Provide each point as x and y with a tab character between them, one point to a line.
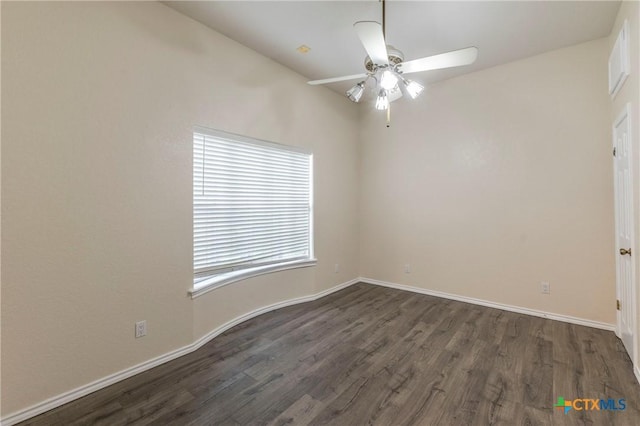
385	66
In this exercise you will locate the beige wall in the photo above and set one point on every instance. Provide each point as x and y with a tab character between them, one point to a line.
630	92
98	106
496	181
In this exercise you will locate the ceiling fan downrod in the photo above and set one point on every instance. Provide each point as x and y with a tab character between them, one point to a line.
384	34
384	31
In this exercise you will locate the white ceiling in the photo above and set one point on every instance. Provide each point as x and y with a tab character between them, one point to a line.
503	31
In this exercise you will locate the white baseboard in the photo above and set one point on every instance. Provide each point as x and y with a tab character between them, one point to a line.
71	395
74	394
636	370
511	308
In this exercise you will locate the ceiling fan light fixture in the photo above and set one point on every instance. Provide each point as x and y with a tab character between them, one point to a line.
413	88
388	79
355	93
385	67
382	101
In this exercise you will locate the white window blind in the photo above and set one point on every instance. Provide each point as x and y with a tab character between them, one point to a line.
251	203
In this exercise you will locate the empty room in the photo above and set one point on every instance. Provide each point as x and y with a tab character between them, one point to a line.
320	212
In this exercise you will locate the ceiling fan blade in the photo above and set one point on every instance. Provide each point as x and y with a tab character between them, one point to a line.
336	79
372	38
444	60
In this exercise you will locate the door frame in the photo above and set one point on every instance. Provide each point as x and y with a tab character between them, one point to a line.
626	113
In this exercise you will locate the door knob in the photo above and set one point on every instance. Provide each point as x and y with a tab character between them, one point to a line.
625	251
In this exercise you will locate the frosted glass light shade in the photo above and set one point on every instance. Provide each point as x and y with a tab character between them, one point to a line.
413	88
388	80
355	93
382	102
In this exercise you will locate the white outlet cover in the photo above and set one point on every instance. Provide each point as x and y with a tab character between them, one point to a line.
141	329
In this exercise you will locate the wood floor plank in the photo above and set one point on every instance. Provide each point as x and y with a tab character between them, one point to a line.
370	355
298	413
537	367
464	389
568	373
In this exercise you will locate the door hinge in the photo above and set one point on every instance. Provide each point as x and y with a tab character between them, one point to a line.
614	151
618	305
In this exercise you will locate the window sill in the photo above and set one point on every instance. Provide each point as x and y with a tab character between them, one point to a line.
208	284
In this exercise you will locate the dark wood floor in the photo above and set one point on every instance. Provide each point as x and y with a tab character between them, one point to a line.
373	355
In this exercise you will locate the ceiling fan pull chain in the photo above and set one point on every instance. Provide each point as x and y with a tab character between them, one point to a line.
389	115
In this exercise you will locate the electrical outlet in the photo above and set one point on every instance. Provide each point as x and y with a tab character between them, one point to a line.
336	268
141	329
545	288
407	269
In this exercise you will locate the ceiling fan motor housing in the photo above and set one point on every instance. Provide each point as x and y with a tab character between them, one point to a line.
395	57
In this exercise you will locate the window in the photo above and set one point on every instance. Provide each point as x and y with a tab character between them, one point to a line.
252	207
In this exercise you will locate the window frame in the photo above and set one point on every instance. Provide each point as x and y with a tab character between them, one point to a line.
205	282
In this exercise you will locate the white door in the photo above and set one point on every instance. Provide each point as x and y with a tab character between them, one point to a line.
624	229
